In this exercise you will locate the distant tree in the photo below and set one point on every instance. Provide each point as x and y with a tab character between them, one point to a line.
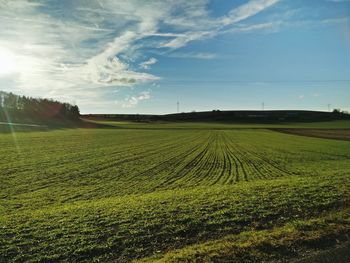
10	101
36	107
2	99
75	112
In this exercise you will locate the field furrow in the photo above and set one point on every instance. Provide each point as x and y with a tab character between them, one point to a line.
110	194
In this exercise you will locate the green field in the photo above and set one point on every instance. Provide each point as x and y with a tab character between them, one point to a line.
172	192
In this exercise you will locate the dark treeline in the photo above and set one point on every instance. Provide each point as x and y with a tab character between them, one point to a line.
267	116
18	108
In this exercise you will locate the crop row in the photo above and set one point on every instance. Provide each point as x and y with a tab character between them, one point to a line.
64	166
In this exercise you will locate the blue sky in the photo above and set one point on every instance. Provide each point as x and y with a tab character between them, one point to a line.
134	56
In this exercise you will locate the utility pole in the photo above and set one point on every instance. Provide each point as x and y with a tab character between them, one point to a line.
263	106
178	107
329	107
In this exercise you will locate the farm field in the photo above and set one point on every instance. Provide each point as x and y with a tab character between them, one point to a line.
173	193
335	124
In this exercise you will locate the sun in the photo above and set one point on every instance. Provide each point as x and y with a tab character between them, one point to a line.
8	63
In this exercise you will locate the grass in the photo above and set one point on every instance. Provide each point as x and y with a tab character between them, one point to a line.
188	194
295	239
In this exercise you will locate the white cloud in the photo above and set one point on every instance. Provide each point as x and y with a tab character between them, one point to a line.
133	101
74	51
262	27
187	37
52	57
146	64
195	55
236	15
247	10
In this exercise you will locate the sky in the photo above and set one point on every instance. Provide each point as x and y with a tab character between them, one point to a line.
135	56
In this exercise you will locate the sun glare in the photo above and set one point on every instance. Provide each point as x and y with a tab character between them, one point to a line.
7	62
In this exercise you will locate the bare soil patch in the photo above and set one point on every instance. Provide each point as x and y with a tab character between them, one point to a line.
337	134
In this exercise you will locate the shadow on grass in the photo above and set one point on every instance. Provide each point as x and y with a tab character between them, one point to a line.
52	125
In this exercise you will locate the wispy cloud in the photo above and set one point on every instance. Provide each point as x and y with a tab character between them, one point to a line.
218	25
247	10
73	51
273	26
133	101
146	64
191	55
187	37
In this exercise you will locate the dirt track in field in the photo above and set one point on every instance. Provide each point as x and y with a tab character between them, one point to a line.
337	134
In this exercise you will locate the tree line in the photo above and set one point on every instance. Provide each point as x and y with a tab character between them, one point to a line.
22	107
